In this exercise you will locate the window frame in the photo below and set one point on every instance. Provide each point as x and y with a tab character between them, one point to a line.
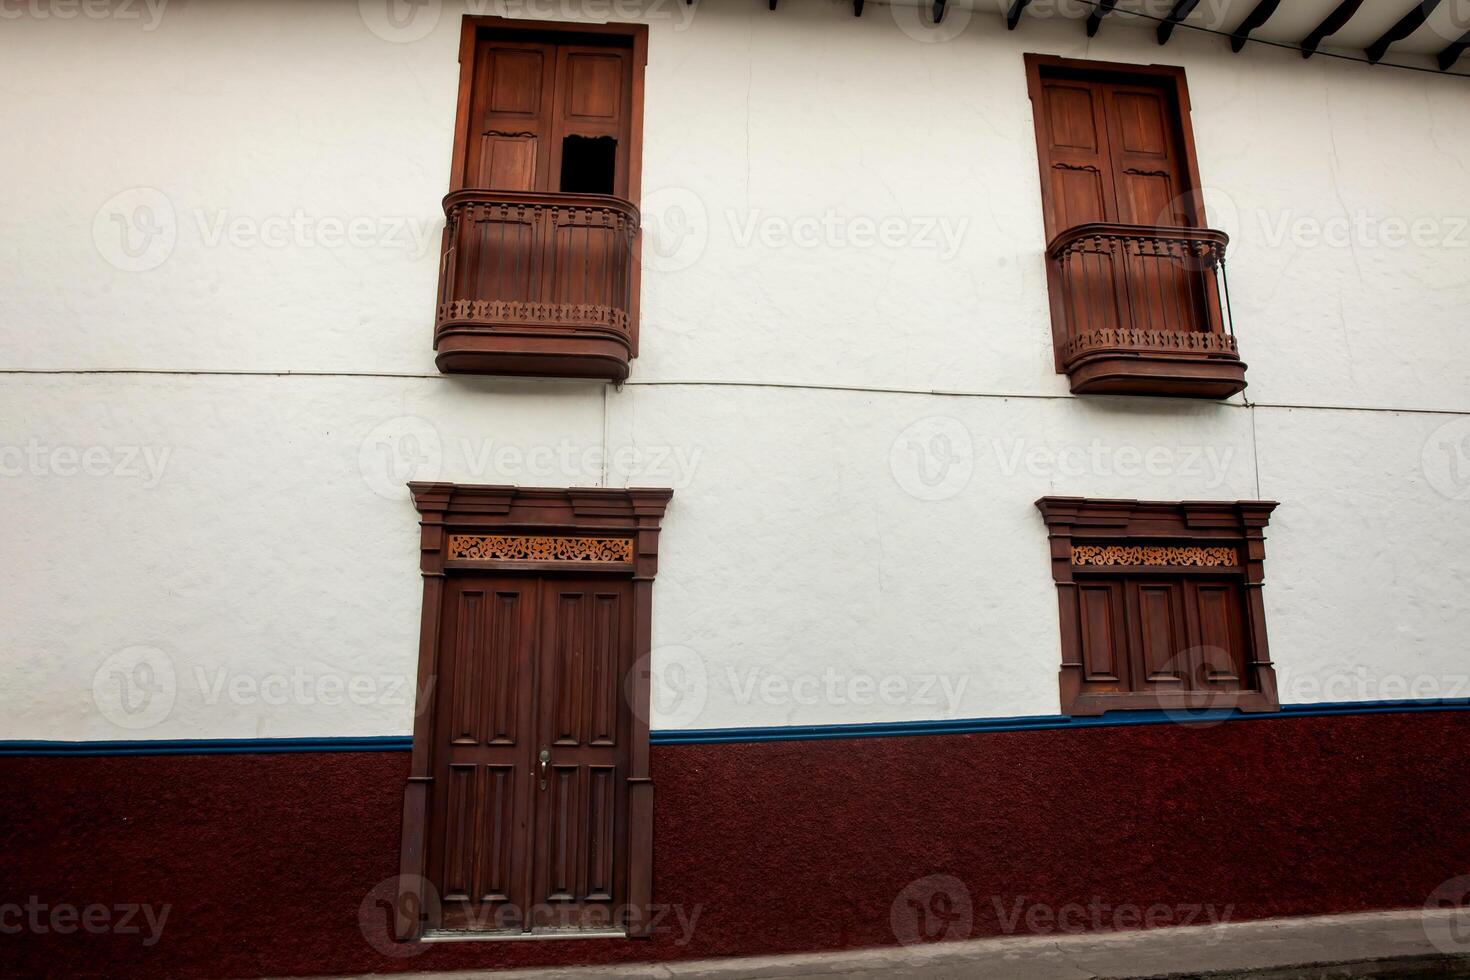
1079	521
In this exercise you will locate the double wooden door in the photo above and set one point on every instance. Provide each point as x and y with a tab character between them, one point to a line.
528	818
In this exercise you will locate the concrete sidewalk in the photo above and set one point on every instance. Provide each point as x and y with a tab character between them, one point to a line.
1402	944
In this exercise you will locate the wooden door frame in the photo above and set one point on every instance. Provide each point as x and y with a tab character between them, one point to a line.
592	530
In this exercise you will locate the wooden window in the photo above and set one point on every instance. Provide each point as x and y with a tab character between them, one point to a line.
1136	277
540	267
529	806
1160	604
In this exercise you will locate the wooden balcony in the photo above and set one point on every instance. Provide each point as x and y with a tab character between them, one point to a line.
537	284
1137	311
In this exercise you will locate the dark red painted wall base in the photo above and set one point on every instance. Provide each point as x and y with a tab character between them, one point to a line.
265	860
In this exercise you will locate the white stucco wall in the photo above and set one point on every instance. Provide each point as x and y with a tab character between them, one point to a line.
204	442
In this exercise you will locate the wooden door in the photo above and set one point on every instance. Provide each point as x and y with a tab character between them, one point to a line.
586	633
528	814
1115	154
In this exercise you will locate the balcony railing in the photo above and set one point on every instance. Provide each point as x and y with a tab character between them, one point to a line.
537	284
1140	312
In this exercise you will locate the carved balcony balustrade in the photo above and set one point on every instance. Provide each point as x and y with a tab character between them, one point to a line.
537	283
1141	311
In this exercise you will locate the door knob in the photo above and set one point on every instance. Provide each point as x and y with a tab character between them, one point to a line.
545	758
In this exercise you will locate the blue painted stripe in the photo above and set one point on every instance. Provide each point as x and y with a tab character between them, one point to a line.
212	746
967	726
704	736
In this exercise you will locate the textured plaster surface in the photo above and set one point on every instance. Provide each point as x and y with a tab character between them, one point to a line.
269	864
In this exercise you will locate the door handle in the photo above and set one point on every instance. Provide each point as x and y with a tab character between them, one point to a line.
545	759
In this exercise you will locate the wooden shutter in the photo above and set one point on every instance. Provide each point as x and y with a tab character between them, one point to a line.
1102	622
1160	634
510	141
1145	159
1221	651
594	98
1079	186
1112	152
527	97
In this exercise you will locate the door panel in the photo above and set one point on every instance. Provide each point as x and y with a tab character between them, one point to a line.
586	647
459	850
1146	159
531	664
1079	167
508	160
498	820
482	803
594	85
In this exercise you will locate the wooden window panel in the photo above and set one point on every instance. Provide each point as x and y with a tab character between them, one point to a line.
1158	636
1103	620
1219	608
